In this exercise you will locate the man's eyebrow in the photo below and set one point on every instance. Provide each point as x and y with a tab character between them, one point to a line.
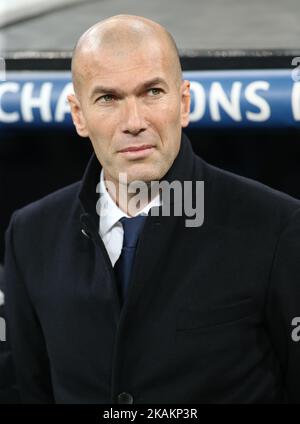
101	89
153	81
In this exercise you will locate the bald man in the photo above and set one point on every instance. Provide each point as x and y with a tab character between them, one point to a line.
119	289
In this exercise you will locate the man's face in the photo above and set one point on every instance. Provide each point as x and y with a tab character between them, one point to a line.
132	107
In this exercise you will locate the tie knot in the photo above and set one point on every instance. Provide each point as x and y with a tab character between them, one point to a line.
132	229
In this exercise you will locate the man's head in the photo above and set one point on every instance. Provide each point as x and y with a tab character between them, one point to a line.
129	93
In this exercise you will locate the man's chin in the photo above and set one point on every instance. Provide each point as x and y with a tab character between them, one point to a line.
140	173
145	177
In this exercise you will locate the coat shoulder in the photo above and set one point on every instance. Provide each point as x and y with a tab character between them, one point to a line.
54	205
243	197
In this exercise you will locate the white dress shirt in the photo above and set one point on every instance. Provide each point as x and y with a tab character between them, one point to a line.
110	229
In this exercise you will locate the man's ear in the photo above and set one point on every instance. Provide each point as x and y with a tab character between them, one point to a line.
185	103
77	116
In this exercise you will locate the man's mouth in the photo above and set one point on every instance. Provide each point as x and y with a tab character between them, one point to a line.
137	152
136	148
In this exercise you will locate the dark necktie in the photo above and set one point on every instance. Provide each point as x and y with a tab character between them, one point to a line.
132	229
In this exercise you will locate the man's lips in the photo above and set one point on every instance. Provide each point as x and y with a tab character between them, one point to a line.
136	148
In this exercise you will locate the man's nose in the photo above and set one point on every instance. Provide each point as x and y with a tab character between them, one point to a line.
133	120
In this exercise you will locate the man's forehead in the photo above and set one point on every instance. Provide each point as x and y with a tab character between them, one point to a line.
123	52
107	64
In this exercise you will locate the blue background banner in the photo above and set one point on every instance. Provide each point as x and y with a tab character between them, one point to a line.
220	99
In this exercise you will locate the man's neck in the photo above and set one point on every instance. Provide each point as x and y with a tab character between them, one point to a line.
130	198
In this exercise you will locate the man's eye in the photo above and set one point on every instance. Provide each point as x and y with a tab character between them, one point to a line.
155	91
106	98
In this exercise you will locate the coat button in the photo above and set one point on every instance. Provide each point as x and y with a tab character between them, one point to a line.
125	398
